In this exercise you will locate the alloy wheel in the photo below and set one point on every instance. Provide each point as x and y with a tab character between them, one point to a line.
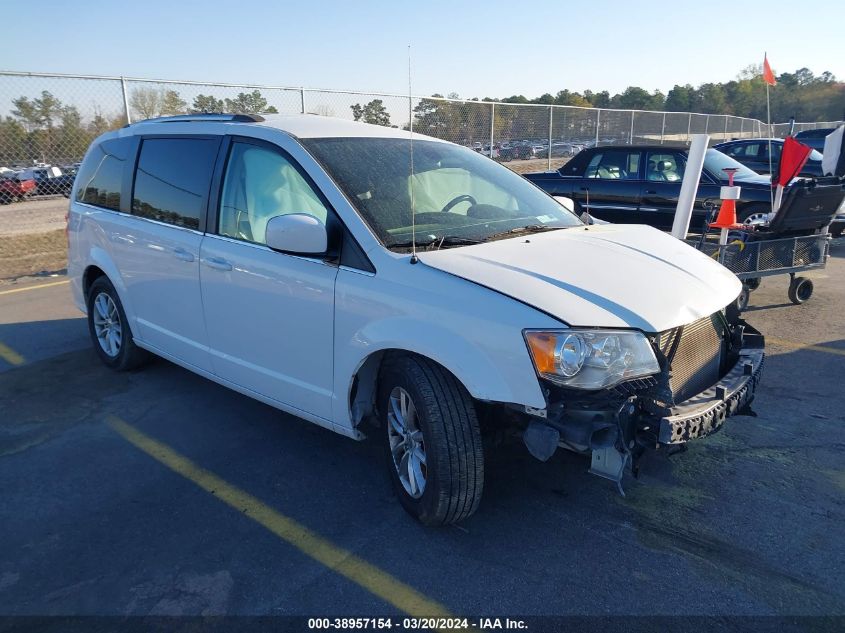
107	324
407	446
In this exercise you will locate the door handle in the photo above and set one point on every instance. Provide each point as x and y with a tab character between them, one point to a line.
181	253
217	263
650	192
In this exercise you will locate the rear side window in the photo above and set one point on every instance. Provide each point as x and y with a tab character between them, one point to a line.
172	179
101	175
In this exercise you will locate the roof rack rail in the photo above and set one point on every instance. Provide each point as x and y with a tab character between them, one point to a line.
207	116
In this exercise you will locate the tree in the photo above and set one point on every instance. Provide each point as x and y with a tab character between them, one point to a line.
249	103
207	104
40	112
172	103
148	103
373	112
145	102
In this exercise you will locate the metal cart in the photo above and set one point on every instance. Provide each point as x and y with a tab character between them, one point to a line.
750	260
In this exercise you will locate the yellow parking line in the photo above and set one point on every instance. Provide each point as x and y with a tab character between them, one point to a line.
359	571
36	287
793	345
10	355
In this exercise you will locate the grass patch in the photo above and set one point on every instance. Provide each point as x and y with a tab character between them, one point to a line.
22	255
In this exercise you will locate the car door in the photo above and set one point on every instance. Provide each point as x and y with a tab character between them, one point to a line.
157	245
610	187
270	315
664	172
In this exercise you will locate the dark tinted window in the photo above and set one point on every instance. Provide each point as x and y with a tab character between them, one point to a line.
101	175
172	179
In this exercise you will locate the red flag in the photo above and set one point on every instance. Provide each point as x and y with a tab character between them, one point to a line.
768	75
792	159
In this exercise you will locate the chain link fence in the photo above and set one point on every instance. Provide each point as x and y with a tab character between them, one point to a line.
49	120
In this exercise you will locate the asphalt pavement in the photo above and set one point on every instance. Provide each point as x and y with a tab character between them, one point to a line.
157	492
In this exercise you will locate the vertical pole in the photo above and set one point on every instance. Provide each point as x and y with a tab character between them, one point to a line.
492	124
725	137
551	110
125	100
706	124
302	100
689	127
742	128
631	138
769	122
663	128
598	120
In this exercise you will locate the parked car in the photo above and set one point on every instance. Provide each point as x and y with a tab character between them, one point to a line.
814	138
754	154
52	181
284	258
14	188
640	184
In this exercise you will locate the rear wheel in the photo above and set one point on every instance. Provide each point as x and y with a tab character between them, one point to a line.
109	328
800	290
753	214
432	440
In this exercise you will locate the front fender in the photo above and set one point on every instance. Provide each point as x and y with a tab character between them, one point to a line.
472	331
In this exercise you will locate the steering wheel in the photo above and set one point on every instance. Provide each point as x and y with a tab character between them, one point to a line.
458	200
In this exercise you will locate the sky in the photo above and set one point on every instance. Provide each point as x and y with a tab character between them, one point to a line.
474	49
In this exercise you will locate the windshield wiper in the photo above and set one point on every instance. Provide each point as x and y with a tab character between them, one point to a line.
530	228
437	243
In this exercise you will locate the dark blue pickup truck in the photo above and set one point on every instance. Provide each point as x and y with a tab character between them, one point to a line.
640	184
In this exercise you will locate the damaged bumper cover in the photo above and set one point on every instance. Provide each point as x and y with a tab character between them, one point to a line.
705	413
617	425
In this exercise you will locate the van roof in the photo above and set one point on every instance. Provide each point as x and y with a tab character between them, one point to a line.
297	125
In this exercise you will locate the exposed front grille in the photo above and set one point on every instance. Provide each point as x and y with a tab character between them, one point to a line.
695	358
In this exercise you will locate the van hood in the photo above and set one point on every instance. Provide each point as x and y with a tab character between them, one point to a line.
612	276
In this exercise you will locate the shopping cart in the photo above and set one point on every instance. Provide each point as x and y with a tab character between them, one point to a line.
795	240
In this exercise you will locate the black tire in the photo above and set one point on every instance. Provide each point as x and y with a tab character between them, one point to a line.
746	212
742	299
753	283
128	355
800	290
446	416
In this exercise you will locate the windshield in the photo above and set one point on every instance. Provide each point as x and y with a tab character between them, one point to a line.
457	193
715	161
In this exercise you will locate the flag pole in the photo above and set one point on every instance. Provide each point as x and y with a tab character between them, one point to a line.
769	122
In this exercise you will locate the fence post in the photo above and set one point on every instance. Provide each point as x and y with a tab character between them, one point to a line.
706	124
125	100
689	127
631	138
302	99
742	128
598	120
551	110
663	128
725	138
492	124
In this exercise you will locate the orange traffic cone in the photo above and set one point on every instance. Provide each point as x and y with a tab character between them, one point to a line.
727	216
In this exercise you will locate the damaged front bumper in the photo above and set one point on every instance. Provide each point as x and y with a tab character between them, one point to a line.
705	413
618	425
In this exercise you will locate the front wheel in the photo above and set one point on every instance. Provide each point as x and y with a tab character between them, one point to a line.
109	328
432	440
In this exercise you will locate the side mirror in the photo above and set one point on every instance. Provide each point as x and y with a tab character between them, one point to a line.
297	233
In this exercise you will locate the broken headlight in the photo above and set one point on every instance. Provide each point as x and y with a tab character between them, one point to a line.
591	359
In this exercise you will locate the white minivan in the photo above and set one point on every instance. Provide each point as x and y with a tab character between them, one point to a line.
349	273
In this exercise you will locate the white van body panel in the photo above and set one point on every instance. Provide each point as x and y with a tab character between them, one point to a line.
615	275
